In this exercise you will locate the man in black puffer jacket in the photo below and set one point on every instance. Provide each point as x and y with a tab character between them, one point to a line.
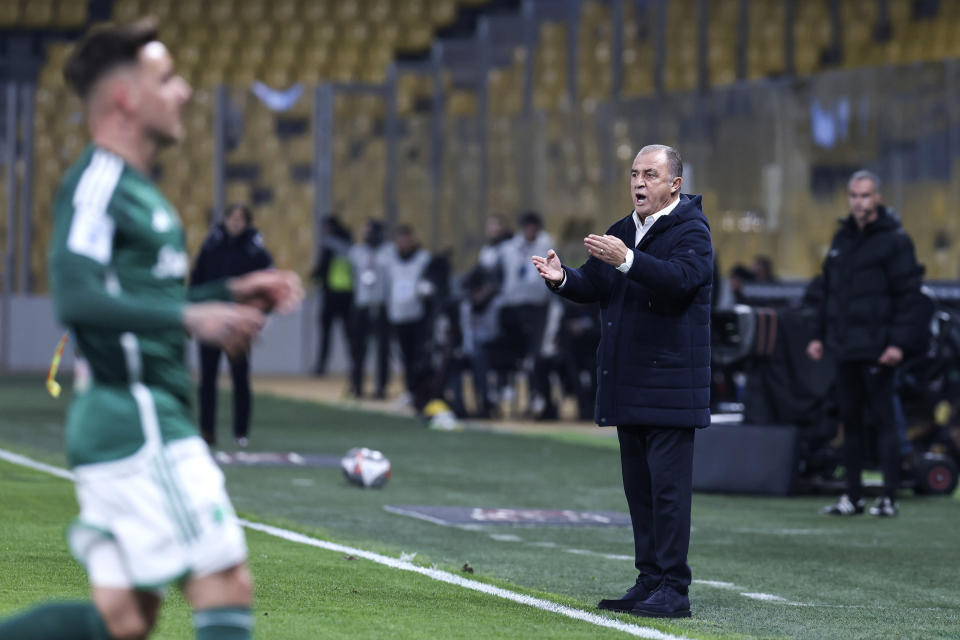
871	314
234	247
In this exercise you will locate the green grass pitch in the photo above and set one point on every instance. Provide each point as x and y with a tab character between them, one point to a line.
804	575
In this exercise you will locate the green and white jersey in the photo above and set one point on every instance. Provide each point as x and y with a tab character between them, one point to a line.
118	265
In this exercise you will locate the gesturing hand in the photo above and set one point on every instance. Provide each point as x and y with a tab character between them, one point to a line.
609	249
268	290
891	356
232	327
549	268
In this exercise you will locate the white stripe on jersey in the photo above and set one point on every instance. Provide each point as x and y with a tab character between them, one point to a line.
91	231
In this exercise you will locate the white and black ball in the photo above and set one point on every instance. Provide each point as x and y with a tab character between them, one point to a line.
365	467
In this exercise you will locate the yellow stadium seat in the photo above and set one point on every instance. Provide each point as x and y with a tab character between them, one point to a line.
10	14
38	13
70	14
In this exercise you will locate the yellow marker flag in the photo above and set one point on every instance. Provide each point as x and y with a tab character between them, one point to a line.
53	387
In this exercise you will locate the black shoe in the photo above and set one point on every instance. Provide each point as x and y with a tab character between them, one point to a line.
844	507
664	602
634	596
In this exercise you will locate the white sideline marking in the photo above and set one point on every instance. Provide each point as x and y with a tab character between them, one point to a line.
403	565
23	461
765	597
769	597
717	583
450	578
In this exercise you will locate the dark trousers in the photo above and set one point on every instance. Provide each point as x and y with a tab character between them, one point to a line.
657	465
240	372
336	304
411	337
367	321
865	390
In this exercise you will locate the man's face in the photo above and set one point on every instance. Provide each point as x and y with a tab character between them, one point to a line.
494	228
864	198
651	188
530	231
235	222
405	242
161	95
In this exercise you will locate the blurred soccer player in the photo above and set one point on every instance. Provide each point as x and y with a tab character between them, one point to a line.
153	508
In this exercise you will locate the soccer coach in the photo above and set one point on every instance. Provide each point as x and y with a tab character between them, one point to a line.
652	274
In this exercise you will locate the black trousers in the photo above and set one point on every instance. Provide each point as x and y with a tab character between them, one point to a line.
336	304
367	321
866	395
657	465
411	336
240	373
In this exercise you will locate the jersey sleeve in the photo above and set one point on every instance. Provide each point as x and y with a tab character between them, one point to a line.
84	286
212	290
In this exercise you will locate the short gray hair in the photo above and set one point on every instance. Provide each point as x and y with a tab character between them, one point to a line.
674	162
864	174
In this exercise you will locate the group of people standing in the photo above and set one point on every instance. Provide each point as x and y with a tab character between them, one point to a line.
380	291
496	322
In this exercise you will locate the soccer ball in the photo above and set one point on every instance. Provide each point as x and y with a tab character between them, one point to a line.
365	467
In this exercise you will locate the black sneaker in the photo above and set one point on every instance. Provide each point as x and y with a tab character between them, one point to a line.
634	596
844	507
884	507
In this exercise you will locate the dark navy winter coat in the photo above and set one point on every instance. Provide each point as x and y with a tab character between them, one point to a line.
653	362
223	256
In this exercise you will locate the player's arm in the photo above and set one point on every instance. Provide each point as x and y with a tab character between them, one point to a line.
86	291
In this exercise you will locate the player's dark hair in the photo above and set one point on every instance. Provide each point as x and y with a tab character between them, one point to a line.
530	217
105	48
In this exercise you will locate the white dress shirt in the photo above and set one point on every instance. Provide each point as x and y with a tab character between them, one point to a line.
642	228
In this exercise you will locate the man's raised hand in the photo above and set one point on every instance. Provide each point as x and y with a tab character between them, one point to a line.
549	268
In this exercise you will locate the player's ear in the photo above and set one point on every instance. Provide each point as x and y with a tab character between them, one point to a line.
124	92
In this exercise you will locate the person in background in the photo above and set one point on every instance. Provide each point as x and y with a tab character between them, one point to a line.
369	316
478	311
871	314
763	270
406	262
334	277
523	300
233	248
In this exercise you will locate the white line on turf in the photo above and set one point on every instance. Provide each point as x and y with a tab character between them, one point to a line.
450	578
764	597
403	565
24	461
